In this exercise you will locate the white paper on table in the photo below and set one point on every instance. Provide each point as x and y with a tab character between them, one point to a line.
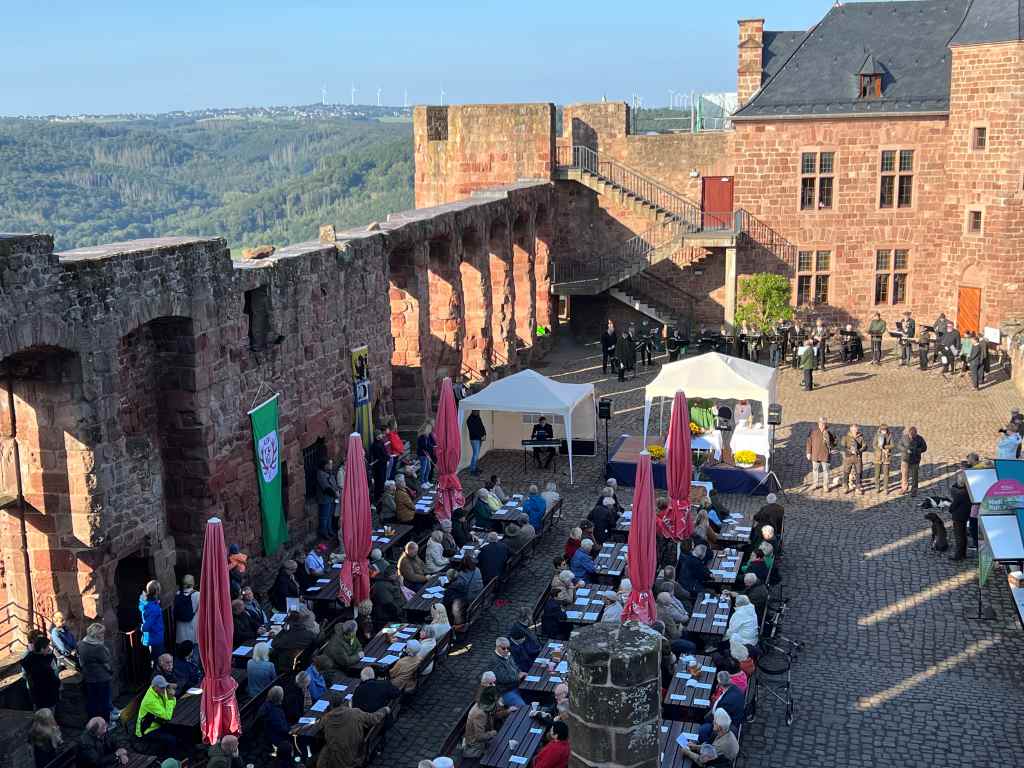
742	529
697	684
555	679
533	678
396	647
581	601
368	659
510	504
323	581
698	615
719	623
320	706
194	691
313	589
709	599
702	702
615	573
278	618
683	675
682	738
242	650
389	659
590	616
307	720
339	687
706	668
585	591
563	667
573	614
677	697
519	760
536	730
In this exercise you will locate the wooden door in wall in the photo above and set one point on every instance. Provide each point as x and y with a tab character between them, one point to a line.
968	310
716	202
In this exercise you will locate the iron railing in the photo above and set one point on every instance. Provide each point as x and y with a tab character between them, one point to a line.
676	207
630	256
764	236
670	301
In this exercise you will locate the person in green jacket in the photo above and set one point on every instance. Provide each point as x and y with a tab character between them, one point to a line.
157	709
341	652
807	362
876	330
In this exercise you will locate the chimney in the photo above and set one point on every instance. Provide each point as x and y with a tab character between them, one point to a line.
750	59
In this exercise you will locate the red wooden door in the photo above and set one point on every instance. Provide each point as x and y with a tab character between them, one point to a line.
968	310
716	202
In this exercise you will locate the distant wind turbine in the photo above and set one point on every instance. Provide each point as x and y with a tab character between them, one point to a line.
378	95
353	94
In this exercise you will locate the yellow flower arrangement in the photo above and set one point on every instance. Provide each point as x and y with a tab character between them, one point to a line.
745	457
696	429
657	452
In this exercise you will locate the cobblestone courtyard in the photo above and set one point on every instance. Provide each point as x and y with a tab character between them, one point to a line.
892	672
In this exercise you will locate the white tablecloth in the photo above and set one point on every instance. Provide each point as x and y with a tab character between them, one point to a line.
750	439
709	441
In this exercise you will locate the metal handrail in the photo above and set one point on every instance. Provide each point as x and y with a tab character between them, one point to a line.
661	294
631	256
676	207
761	234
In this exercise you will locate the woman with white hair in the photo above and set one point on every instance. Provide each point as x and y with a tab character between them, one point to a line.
434	560
582	563
386	505
743	622
551	495
260	670
439	620
722	743
97	662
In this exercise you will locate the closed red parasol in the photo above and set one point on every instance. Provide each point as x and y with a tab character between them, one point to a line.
355	526
643	555
677	523
449	450
219	713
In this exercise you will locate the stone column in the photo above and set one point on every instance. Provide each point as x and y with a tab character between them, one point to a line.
730	286
614	705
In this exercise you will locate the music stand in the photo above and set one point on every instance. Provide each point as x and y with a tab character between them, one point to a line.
771	473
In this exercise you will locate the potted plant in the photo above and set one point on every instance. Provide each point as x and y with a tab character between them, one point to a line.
745	459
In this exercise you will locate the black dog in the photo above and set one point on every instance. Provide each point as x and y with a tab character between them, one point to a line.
940	542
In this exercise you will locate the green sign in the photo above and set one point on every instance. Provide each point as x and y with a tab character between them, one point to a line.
267	441
985	562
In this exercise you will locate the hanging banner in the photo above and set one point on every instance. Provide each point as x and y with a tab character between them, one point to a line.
267	442
362	416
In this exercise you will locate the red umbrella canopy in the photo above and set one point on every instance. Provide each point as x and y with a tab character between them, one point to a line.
356	526
676	523
643	555
449	450
218	714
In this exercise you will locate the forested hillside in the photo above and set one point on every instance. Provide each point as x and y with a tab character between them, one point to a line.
249	181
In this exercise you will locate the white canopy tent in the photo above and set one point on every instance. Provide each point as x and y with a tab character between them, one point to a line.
510	406
714	375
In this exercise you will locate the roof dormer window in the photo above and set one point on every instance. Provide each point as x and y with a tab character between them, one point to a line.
870	86
870	78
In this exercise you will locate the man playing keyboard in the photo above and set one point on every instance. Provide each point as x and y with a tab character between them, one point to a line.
543	431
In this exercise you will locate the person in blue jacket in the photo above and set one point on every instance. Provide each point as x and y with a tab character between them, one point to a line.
582	564
535	506
152	621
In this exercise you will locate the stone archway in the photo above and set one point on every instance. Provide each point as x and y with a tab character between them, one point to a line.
546	306
523	243
503	293
163	436
407	317
475	275
52	557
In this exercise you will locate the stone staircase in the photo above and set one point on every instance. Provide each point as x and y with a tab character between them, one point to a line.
676	223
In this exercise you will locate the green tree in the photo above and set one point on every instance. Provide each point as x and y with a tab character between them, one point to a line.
764	301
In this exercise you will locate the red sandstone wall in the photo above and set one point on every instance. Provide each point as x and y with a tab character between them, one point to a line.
767	164
987	89
750	59
483	145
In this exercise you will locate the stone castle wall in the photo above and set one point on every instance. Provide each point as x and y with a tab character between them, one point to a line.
134	367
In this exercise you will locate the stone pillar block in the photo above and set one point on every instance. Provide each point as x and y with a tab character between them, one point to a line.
614	703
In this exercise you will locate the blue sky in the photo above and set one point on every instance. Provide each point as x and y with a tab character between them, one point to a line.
153	56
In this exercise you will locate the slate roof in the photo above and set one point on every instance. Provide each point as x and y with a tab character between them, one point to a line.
991	21
910	45
776	48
